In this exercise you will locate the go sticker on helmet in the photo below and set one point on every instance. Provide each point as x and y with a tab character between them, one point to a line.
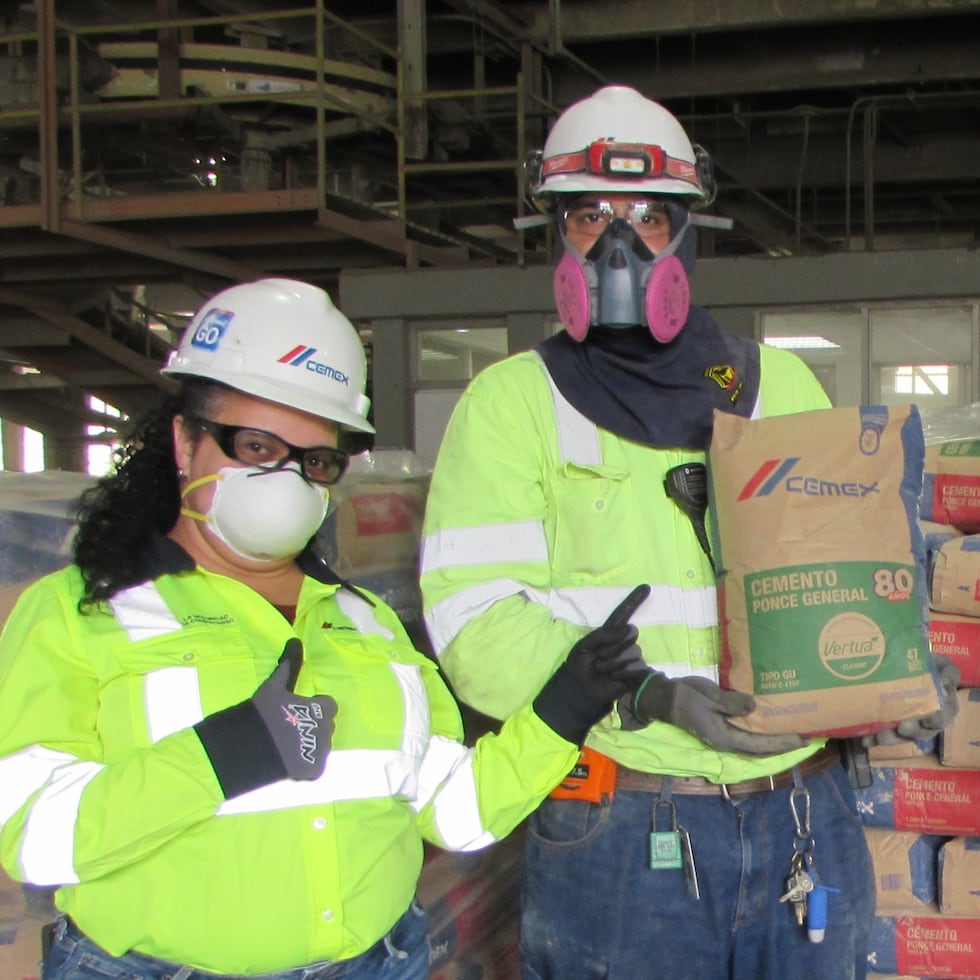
211	329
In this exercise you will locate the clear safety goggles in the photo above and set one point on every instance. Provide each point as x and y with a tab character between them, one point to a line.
589	218
266	450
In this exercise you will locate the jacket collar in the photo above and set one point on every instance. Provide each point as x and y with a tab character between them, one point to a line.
163	556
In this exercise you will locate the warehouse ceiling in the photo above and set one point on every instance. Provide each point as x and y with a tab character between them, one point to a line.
153	151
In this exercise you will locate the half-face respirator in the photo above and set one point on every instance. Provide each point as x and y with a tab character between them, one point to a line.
620	282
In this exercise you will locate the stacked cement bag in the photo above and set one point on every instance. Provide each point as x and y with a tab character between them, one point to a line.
922	810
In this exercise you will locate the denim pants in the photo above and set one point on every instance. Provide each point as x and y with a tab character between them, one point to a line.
592	907
401	955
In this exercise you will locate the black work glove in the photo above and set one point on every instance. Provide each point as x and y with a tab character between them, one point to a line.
274	735
925	726
702	708
599	669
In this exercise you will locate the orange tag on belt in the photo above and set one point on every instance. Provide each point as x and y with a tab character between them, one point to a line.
592	778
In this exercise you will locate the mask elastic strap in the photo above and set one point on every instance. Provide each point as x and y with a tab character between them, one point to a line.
193	485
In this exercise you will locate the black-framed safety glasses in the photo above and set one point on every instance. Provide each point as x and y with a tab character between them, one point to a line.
266	450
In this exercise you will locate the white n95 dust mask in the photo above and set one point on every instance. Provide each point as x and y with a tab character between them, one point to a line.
262	514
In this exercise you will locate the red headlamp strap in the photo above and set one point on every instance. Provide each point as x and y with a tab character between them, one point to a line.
626	160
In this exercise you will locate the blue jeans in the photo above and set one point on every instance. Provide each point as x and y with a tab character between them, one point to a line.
592	908
401	955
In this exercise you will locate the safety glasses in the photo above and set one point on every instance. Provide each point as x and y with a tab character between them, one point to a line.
589	218
256	447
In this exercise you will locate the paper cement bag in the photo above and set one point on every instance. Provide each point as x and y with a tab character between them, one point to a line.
822	591
955	577
951	484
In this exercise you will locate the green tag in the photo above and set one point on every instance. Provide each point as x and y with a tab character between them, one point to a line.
666	850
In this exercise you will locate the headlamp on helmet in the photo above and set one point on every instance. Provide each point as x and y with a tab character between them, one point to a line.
623	160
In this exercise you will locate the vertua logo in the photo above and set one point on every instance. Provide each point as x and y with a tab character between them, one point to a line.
302	356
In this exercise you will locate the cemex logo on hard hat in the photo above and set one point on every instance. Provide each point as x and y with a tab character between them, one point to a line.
302	356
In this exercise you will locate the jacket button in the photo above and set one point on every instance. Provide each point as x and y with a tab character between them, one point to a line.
319	823
327	914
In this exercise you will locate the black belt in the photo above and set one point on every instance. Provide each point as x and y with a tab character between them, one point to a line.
652	782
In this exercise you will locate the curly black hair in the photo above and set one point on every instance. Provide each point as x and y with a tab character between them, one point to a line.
140	499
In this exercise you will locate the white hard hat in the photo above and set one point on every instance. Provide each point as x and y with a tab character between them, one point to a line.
618	140
282	340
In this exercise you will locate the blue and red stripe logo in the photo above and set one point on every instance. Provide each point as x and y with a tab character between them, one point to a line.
767	477
297	355
302	356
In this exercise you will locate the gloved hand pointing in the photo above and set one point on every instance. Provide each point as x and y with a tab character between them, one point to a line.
600	668
701	707
276	734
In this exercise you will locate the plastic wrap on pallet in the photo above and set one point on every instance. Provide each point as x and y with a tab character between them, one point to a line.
951	424
35	528
373	531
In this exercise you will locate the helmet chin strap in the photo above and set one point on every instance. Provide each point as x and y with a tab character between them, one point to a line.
620	283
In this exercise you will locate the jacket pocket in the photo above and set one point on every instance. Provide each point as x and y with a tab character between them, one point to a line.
593	523
171	682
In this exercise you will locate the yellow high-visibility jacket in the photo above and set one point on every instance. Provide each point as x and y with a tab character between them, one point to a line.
538	524
107	792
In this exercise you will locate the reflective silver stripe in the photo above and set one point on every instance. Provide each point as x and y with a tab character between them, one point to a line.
172	698
24	773
361	614
142	612
457	811
488	544
47	845
446	618
578	438
686	670
350	774
757	407
441	757
666	605
357	774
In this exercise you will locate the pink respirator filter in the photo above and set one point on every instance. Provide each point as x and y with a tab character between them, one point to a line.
668	299
572	297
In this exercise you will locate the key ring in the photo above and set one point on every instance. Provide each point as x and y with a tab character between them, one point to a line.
804	839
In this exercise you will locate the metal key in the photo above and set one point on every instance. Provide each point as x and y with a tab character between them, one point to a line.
798	885
690	869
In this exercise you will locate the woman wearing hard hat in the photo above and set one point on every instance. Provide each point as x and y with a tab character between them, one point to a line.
223	757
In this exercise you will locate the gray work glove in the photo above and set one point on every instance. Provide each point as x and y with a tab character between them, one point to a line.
275	734
925	726
602	667
702	708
